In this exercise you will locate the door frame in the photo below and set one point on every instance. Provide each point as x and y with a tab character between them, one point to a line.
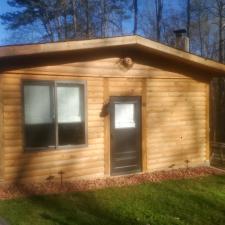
143	94
128	99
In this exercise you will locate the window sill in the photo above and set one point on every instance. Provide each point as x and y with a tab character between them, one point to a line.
59	148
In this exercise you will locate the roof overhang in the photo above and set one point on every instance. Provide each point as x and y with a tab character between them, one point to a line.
134	41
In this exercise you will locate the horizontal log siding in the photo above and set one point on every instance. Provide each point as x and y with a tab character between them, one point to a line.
125	87
25	166
110	67
1	135
176	120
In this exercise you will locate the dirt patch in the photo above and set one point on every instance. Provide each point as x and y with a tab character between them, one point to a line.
23	190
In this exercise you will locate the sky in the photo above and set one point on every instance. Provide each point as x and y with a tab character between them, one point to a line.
3	8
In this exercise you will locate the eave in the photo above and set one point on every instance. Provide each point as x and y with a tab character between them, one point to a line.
143	44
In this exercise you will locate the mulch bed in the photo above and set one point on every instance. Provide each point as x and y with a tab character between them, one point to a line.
23	190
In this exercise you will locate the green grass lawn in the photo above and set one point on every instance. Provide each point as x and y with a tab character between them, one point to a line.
196	202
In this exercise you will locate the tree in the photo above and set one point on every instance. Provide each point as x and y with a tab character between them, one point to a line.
218	12
201	28
151	19
113	13
68	19
172	20
43	12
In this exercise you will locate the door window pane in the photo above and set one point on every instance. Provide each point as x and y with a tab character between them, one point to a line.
39	123
70	110
124	116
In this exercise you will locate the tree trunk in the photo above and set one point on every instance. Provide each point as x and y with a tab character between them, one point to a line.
87	19
158	10
65	26
47	25
220	38
103	18
74	18
135	7
188	17
220	41
201	39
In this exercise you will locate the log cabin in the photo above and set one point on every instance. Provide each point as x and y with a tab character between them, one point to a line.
102	107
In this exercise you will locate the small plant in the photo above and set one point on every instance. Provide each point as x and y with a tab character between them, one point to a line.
187	163
61	176
50	178
172	166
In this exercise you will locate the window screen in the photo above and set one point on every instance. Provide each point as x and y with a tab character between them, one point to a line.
39	121
70	109
54	114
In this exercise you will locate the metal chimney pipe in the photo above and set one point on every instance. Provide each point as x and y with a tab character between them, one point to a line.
182	41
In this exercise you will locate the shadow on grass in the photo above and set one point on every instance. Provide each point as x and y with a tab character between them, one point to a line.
79	208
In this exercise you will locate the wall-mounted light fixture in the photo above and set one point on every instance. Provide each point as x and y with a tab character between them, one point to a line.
105	110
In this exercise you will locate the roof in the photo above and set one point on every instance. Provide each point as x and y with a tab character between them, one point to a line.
134	41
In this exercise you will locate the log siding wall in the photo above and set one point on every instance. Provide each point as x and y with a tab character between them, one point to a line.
174	111
177	120
37	165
